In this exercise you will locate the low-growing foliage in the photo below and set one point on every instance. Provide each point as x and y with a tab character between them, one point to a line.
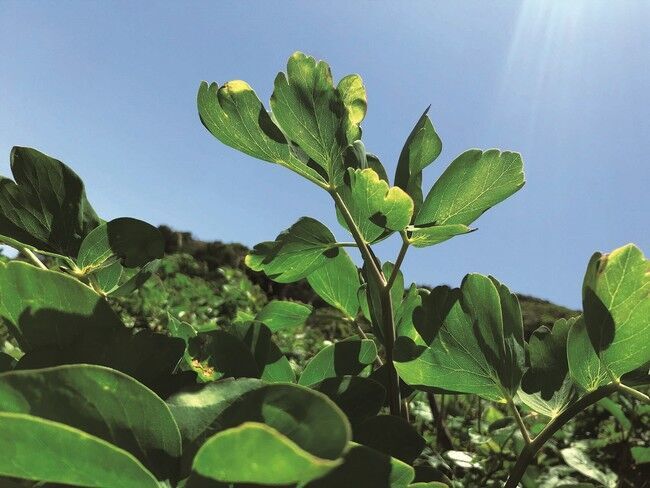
89	397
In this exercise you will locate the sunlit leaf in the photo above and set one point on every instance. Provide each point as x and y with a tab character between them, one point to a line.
283	315
337	282
349	357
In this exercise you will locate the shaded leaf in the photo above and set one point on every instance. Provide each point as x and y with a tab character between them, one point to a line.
273	366
348	357
46	207
295	253
219	354
391	435
358	397
421	148
580	461
429	235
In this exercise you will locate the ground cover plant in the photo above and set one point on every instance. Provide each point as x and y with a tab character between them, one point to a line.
193	403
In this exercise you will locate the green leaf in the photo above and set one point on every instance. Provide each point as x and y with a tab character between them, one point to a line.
337	282
607	343
546	387
468	340
640	454
474	182
257	453
306	417
348	357
234	115
282	315
42	450
353	95
132	283
219	354
274	366
364	467
295	253
421	148
132	241
429	235
580	461
358	397
375	207
102	402
45	309
313	114
391	435
46	207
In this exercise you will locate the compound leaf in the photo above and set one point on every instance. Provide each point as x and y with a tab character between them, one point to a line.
234	115
313	114
474	182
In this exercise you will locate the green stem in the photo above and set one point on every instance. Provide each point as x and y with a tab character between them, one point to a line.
530	450
520	421
28	252
398	261
633	393
358	238
394	400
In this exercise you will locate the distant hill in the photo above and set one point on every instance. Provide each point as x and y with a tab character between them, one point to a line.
216	254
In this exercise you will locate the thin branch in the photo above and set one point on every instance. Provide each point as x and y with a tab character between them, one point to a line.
530	450
398	261
520	421
632	392
33	258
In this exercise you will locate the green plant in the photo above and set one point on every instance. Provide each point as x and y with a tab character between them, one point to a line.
86	400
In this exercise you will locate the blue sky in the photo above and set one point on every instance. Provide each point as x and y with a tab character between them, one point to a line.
109	88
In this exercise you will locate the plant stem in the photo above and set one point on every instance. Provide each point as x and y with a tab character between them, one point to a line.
633	393
531	450
34	259
388	326
520	421
398	261
358	238
443	437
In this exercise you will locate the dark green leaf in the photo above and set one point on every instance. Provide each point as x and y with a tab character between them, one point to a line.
295	253
132	241
422	147
391	435
349	357
46	207
364	467
358	397
219	354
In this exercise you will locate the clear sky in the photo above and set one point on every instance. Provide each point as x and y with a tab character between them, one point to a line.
110	87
